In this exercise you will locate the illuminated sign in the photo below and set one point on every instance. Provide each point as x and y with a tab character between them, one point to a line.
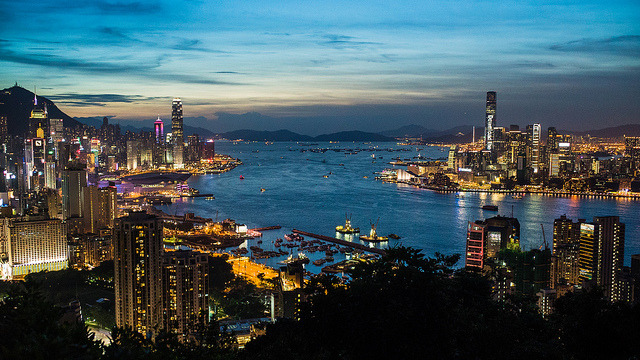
564	144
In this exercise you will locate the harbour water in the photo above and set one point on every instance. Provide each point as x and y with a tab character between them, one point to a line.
313	190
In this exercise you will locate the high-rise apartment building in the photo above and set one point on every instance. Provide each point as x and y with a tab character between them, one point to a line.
137	247
490	120
177	133
185	290
602	253
566	252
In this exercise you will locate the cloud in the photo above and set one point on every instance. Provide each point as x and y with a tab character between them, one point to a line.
193	45
626	45
338	41
98	99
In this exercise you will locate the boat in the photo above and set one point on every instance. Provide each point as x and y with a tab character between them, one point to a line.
346	228
319	262
241	177
263	189
460	196
490	207
373	236
393	236
517	197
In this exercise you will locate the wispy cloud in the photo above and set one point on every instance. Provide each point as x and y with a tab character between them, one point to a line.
344	42
98	99
626	45
193	45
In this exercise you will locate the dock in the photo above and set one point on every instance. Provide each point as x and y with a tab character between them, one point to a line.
341	242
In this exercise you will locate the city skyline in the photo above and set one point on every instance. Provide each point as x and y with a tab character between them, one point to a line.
307	67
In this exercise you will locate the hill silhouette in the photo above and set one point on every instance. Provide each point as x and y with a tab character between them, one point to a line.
17	102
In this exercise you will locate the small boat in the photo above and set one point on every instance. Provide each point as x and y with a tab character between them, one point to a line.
241	177
393	236
325	176
319	262
365	177
517	197
490	207
263	189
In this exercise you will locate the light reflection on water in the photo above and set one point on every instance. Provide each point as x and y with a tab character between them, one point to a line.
299	196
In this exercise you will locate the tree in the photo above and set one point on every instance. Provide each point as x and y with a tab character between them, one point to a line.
30	328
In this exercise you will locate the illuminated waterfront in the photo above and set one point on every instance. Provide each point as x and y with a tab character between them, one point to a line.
298	195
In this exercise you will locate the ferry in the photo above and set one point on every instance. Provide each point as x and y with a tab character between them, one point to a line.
346	228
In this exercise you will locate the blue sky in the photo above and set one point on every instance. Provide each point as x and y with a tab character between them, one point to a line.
321	66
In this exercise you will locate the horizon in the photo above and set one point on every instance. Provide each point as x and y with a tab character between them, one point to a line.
308	68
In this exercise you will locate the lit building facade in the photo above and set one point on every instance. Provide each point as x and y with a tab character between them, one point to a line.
34	246
73	183
476	241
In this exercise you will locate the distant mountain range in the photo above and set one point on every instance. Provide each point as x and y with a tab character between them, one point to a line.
16	103
286	135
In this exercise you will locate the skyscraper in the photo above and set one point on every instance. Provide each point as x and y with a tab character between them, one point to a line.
178	135
158	127
73	182
490	120
536	133
566	240
137	247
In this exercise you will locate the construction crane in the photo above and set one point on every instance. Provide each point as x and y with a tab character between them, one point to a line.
545	244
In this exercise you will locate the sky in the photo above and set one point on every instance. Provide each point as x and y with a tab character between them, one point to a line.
323	66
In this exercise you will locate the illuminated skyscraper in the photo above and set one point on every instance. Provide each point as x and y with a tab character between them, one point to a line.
178	134
490	120
566	242
536	133
158	127
137	246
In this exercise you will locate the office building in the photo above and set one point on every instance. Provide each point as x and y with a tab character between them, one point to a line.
536	132
490	120
177	133
158	127
185	291
137	246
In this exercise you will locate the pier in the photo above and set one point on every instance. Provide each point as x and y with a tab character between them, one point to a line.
341	242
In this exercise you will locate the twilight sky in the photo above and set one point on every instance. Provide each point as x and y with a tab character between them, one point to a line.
323	66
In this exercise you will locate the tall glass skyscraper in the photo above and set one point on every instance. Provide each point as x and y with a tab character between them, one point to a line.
490	120
177	133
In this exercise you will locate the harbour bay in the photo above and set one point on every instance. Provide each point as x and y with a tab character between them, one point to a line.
312	186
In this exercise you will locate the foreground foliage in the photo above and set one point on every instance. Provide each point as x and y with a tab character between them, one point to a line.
404	306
